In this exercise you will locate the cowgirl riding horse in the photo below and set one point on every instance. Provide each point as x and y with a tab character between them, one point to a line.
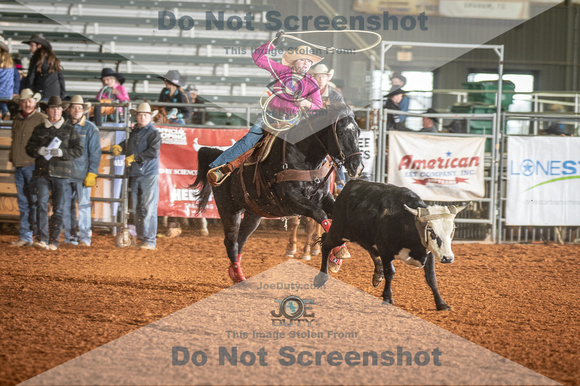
294	90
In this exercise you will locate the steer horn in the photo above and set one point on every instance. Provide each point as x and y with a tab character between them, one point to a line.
456	209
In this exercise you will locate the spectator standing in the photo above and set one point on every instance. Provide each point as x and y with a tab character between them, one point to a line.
44	72
54	143
141	152
198	115
399	81
323	75
9	78
22	126
84	175
174	93
429	124
392	103
112	90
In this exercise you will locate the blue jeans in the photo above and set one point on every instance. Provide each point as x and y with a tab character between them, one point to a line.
26	199
145	197
78	228
49	231
243	145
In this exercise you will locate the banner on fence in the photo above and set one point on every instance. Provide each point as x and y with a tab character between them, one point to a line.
368	147
178	167
543	181
437	168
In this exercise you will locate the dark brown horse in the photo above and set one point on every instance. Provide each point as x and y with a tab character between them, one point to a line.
284	190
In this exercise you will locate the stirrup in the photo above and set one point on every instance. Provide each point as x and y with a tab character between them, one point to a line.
217	175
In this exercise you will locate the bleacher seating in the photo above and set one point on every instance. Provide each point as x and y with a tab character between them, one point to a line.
89	35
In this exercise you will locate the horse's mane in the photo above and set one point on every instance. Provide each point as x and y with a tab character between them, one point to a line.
317	121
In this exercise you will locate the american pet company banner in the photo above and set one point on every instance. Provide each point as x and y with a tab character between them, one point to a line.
437	168
543	181
178	167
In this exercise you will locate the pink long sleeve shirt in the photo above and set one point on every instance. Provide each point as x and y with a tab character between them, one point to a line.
298	88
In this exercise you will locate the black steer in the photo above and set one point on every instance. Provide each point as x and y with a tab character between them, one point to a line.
391	222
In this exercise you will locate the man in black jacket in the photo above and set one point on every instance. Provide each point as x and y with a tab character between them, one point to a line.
54	143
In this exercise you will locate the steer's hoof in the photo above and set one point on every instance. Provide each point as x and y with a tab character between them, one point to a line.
443	307
320	279
378	279
235	272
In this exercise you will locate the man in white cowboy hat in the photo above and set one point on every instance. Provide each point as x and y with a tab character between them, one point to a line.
323	75
22	126
174	93
54	143
142	158
294	89
77	230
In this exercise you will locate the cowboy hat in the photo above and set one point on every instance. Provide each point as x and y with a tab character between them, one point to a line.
173	77
39	39
322	69
396	90
191	88
4	44
78	100
431	110
301	52
110	72
54	101
143	108
27	94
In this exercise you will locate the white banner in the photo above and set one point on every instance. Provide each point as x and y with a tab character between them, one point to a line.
437	168
368	147
543	185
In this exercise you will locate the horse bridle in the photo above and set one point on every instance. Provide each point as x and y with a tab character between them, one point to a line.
341	157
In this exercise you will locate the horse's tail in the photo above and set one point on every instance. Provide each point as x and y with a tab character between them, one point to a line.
205	156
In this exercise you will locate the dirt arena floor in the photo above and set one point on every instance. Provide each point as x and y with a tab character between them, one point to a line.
520	301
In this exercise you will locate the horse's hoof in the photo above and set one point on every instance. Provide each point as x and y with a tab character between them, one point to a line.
290	252
320	279
306	257
341	252
204	232
315	252
334	263
377	280
235	272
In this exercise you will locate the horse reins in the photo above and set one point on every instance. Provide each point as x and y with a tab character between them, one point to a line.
334	164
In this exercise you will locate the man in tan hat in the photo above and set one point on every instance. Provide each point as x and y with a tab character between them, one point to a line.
323	75
294	90
22	126
54	143
142	159
77	230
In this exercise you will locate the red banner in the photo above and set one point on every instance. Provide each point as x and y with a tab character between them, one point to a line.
178	167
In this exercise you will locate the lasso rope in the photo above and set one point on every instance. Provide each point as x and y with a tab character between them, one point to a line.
291	122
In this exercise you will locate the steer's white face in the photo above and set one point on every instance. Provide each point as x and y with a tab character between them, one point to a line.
436	227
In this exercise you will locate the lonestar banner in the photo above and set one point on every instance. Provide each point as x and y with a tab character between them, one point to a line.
178	167
543	181
437	168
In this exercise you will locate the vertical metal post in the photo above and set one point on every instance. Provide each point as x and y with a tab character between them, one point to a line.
498	133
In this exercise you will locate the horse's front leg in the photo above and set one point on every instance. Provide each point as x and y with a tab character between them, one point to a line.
338	253
294	222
